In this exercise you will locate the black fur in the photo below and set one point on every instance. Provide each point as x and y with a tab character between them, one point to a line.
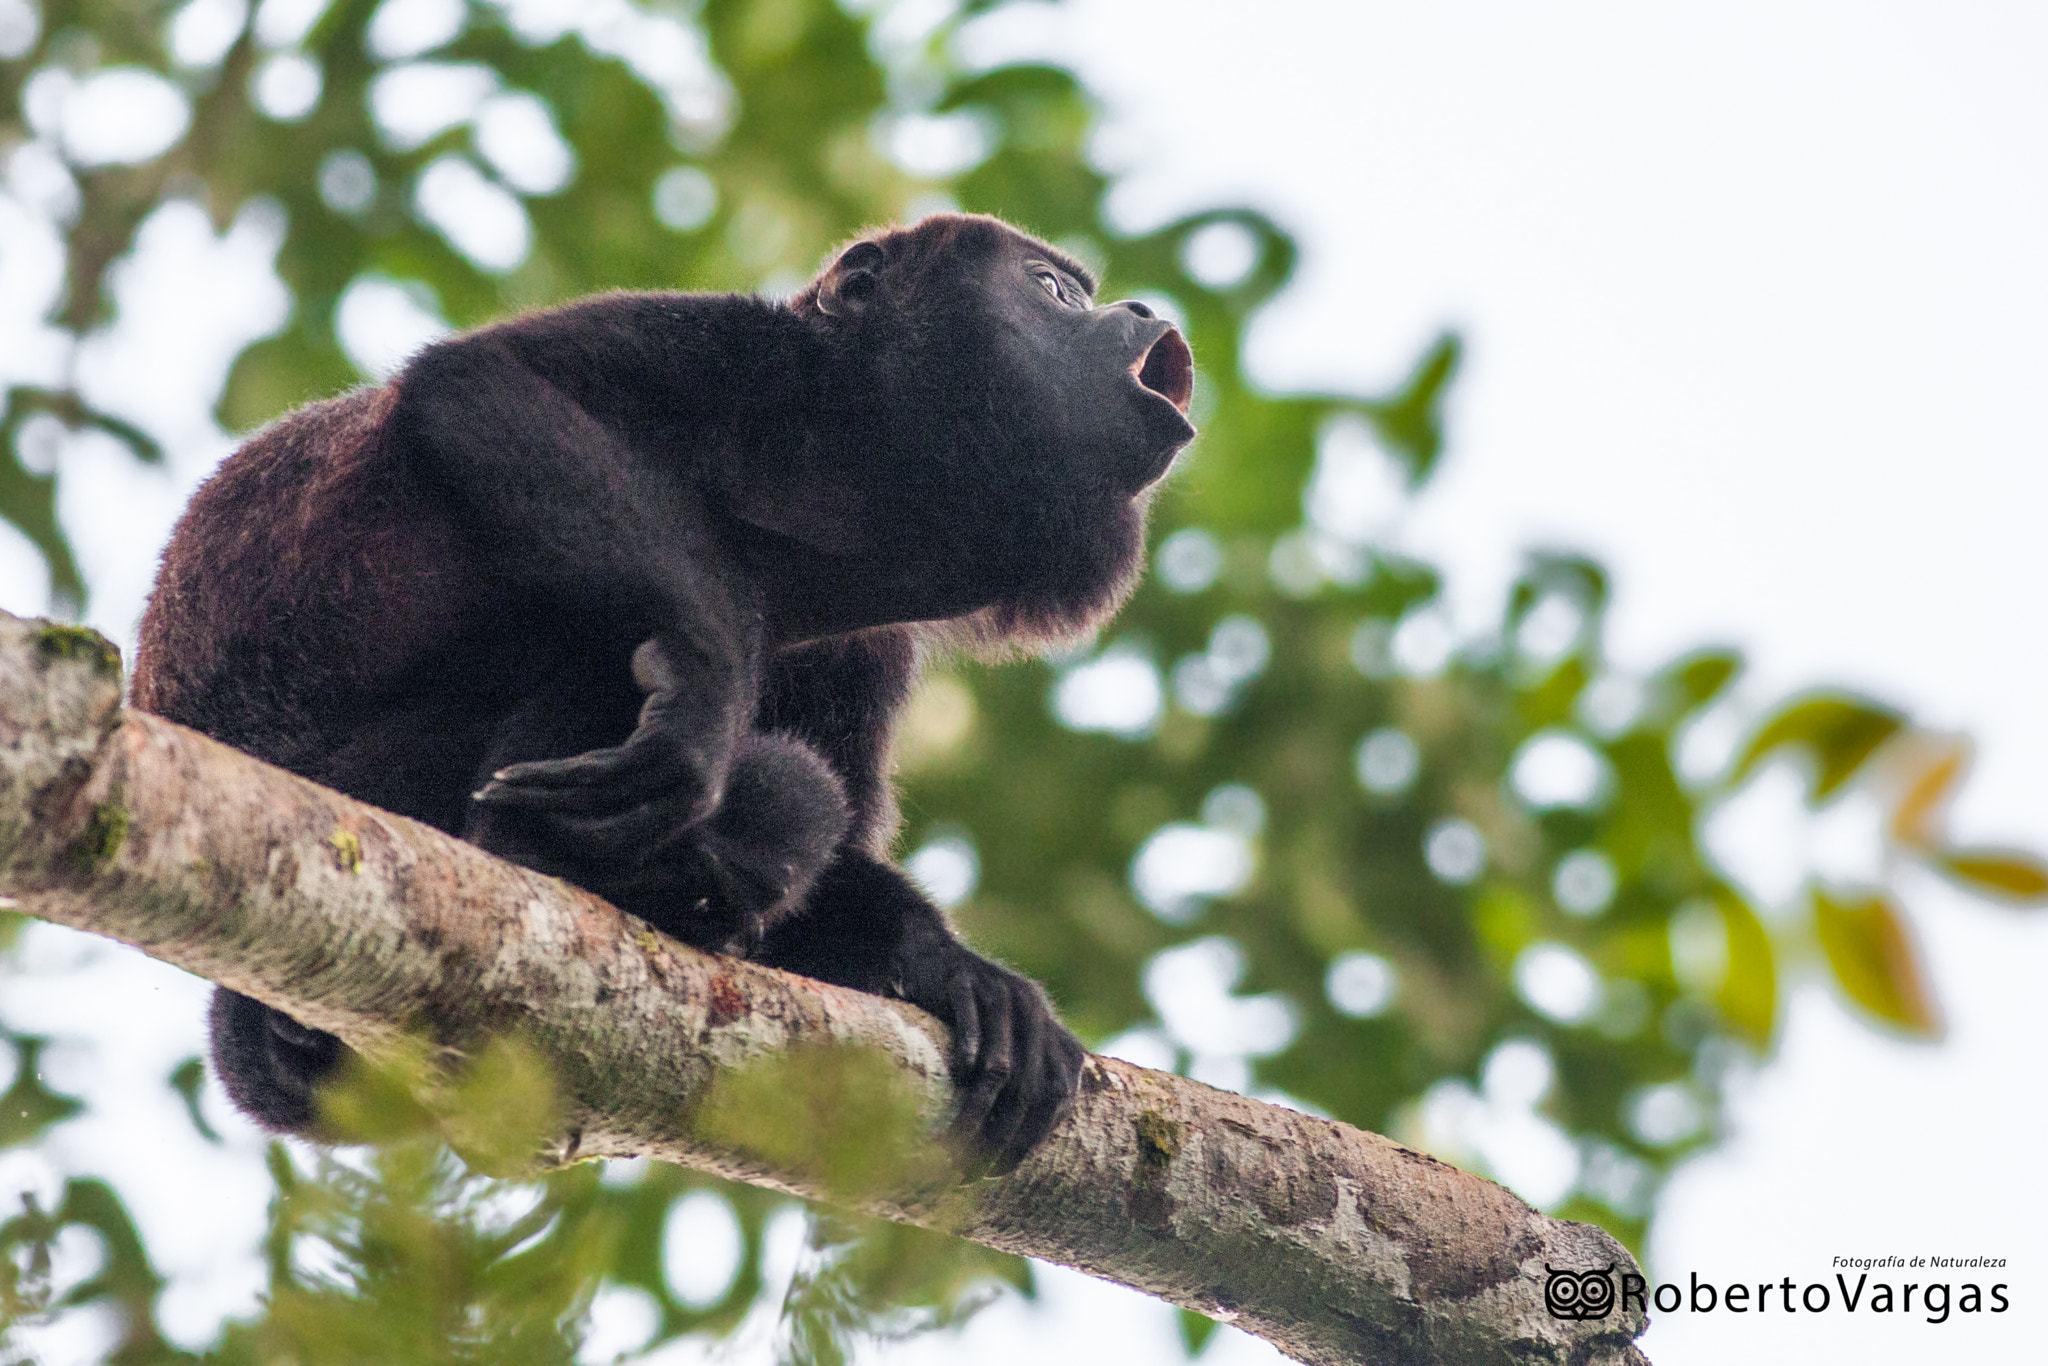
631	590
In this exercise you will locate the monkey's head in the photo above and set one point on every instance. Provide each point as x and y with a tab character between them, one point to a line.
1004	432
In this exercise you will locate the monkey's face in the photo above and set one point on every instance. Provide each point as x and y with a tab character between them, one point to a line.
965	325
1028	423
1108	384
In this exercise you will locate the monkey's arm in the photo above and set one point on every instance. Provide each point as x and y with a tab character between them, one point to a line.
866	926
588	537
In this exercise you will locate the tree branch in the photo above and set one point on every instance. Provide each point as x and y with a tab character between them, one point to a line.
1334	1244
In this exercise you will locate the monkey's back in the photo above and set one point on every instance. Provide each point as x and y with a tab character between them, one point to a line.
308	590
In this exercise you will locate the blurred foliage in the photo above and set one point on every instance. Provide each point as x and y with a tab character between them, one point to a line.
1432	864
792	1111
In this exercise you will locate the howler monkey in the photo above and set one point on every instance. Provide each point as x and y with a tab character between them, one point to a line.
631	590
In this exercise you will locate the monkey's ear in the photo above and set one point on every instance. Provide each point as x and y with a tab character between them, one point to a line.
851	282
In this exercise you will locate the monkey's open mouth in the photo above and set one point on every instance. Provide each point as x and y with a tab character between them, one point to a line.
1168	369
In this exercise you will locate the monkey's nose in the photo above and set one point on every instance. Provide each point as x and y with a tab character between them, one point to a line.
1136	308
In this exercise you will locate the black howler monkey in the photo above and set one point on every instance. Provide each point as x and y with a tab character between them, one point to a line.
631	590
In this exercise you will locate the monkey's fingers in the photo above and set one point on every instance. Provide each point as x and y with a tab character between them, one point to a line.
581	782
1046	1077
1018	1095
984	1077
600	780
966	1022
983	1085
1059	1078
638	832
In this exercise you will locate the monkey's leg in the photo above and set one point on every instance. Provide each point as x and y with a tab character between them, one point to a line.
719	883
716	882
269	1062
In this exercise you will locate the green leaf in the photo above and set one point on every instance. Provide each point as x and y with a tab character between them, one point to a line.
1935	765
1195	1331
1550	571
1839	731
878	1281
845	1116
1692	682
2004	873
187	1079
125	1280
1872	953
29	502
29	1107
1749	993
1412	421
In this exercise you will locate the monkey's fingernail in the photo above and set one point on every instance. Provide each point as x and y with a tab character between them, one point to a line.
503	775
481	794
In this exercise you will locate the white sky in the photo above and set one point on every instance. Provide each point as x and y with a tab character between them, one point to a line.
1757	303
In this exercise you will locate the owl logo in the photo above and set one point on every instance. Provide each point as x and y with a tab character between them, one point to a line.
1579	1294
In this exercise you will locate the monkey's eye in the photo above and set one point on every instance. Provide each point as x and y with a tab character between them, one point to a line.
1052	284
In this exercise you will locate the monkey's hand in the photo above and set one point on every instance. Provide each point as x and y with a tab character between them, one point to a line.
623	802
867	926
1015	1065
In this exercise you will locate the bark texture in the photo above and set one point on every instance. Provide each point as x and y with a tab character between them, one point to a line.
1334	1244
